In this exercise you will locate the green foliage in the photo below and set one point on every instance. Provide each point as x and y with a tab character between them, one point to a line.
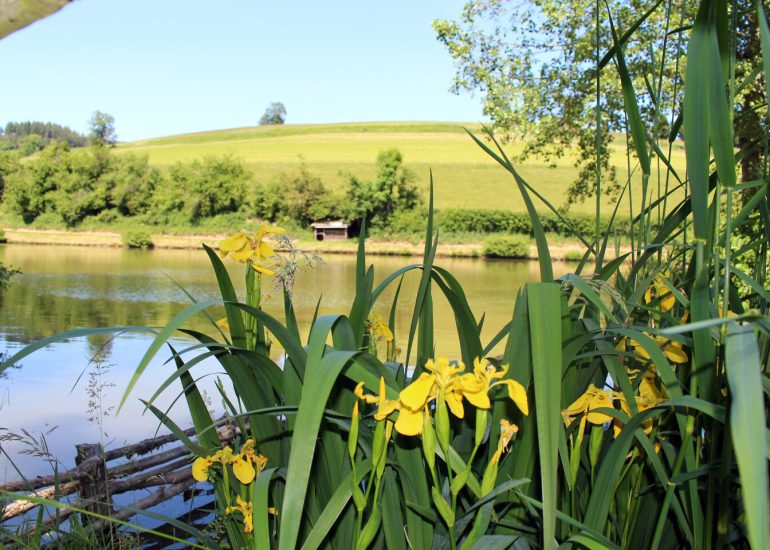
506	246
274	114
392	190
77	184
31	144
29	190
300	197
15	133
132	184
137	238
201	189
471	220
102	130
534	64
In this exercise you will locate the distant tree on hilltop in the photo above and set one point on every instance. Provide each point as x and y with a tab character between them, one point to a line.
102	127
274	114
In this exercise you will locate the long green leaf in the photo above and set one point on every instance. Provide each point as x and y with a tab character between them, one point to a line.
320	377
325	522
630	102
747	427
697	126
544	305
260	491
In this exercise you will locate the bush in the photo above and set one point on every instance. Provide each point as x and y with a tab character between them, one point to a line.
137	238
506	246
202	189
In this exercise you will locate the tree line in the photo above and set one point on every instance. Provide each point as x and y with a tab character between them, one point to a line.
68	186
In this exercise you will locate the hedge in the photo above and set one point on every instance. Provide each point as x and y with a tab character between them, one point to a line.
455	220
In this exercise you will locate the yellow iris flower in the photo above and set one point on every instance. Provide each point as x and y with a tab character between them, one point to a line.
244	246
671	348
378	328
649	396
245	508
247	464
660	290
443	381
586	405
475	387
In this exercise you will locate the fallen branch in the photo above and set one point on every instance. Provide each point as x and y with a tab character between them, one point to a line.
18	507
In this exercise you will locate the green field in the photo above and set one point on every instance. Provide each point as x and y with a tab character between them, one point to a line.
463	174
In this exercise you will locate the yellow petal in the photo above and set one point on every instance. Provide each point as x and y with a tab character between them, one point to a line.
455	402
675	354
479	398
234	243
244	471
270	229
385	408
600	401
265	250
242	255
200	469
580	405
518	395
260	268
409	422
668	300
415	395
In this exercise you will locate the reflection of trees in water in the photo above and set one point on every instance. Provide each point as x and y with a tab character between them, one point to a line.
100	346
31	313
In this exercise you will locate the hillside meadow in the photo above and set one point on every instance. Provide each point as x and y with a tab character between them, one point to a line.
464	176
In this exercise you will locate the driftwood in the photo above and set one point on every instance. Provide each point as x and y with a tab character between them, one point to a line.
161	495
171	469
18	507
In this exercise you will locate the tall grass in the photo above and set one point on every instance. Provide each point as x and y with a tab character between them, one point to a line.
641	418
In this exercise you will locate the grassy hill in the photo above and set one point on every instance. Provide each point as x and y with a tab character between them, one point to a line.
464	176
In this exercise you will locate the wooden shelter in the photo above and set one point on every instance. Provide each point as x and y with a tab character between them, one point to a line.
331	230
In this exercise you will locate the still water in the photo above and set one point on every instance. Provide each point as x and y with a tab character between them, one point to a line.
62	288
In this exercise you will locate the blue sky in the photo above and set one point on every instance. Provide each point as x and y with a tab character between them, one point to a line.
164	67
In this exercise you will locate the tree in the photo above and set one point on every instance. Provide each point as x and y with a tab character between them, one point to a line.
102	129
392	190
535	62
274	114
535	66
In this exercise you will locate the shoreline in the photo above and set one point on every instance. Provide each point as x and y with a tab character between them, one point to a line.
62	237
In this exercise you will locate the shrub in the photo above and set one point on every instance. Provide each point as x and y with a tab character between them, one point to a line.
203	189
137	238
506	246
573	255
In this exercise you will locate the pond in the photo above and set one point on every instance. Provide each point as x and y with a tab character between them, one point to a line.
60	387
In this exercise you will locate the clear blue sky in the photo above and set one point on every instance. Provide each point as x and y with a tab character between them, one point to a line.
164	67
